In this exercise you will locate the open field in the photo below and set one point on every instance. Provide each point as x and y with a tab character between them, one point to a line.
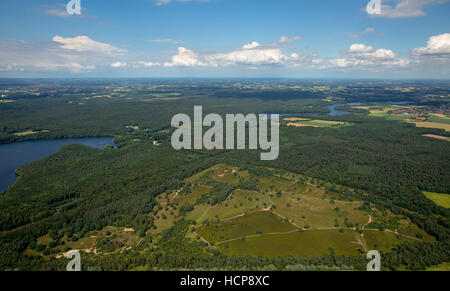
440	268
303	244
427	124
410	115
440	199
252	224
280	217
379	111
383	240
305	122
437	137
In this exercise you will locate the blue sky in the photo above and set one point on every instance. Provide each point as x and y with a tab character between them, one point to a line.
225	38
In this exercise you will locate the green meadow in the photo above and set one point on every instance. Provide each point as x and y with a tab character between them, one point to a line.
440	199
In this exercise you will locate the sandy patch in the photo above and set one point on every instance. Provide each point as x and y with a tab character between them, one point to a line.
30	132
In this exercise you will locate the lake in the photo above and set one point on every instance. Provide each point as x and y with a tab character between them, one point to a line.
335	112
16	155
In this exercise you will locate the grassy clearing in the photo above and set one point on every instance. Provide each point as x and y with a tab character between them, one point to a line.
315	212
317	123
241	201
383	240
256	223
440	268
440	199
302	244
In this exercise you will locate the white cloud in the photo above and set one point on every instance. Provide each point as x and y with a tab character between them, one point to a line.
118	65
437	46
361	56
286	39
144	64
251	55
359	34
406	8
251	45
255	55
76	55
186	58
83	43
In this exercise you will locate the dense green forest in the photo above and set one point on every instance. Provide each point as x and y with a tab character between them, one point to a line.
80	189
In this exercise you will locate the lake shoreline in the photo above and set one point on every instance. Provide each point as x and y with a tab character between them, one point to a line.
13	156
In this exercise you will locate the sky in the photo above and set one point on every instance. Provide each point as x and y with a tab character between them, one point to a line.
226	39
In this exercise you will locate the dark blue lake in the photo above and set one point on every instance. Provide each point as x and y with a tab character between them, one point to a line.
335	112
16	155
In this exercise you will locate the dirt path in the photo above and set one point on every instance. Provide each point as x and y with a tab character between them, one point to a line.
204	213
176	194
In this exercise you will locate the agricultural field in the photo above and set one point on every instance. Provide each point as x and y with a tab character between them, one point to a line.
380	110
427	124
440	199
418	115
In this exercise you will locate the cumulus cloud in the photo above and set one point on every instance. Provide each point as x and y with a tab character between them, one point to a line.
361	56
83	43
135	64
186	58
251	45
286	39
143	64
437	46
406	8
252	54
118	65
